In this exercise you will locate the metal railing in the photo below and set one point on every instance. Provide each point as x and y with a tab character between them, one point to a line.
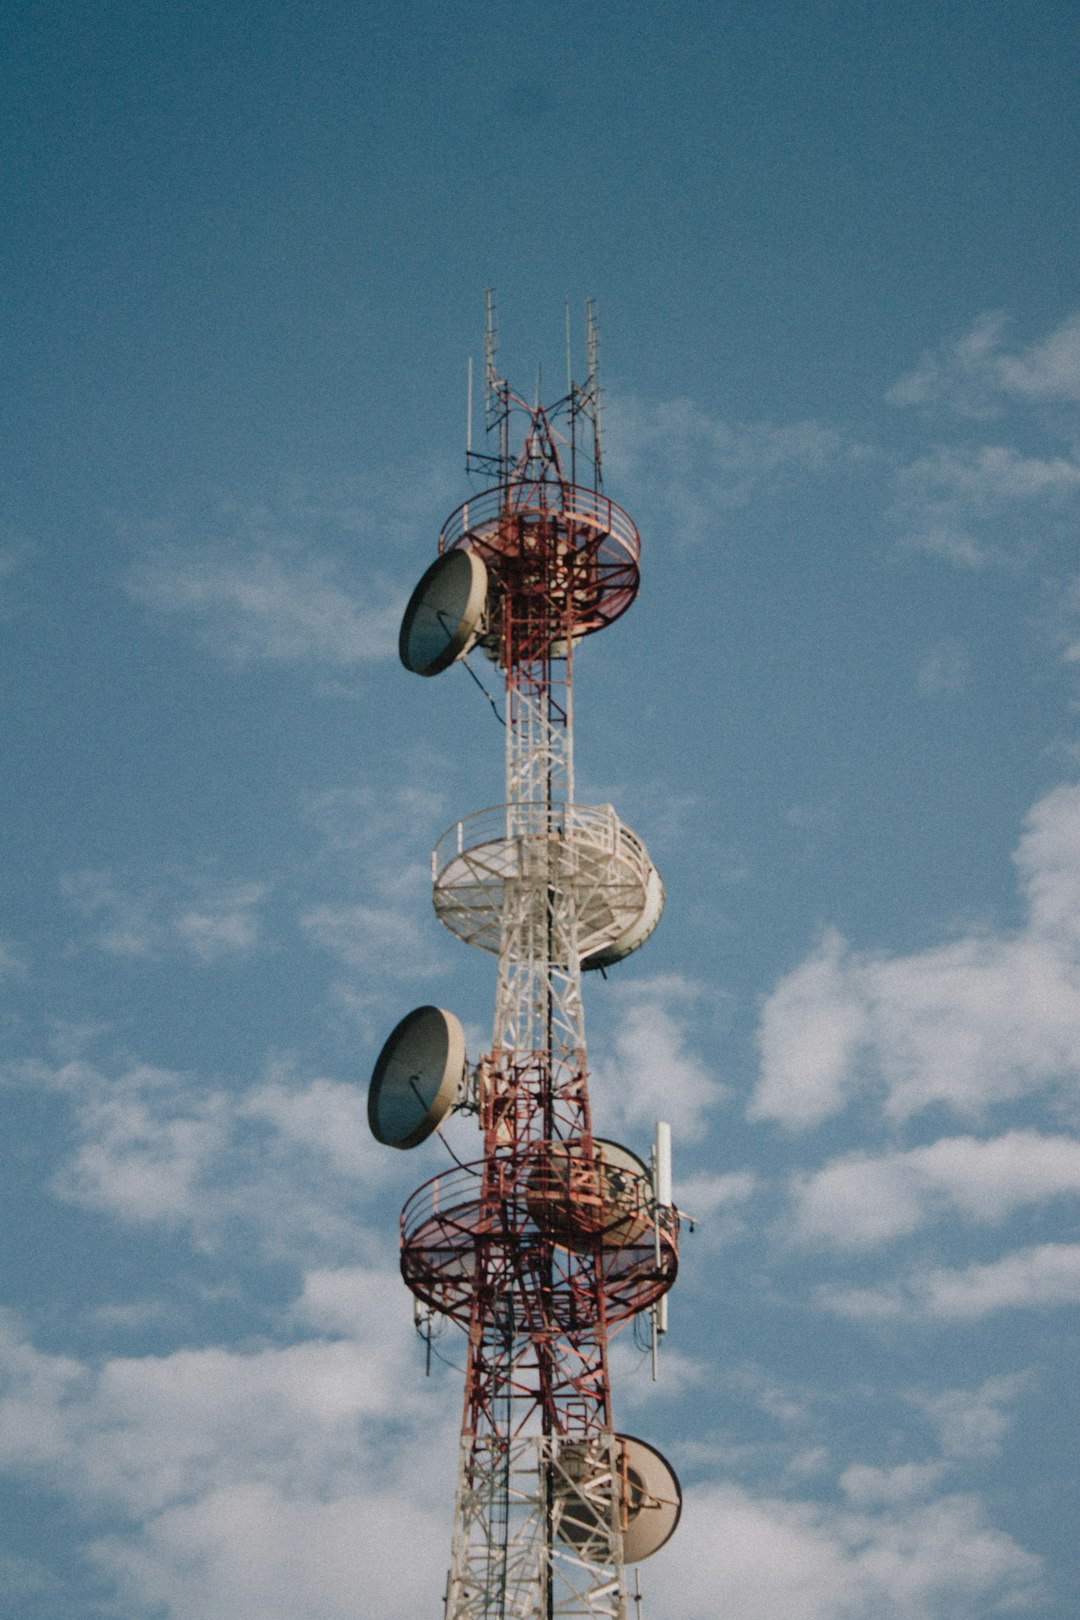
505	827
573	505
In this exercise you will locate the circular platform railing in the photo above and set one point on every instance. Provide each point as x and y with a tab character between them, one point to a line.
593	539
494	868
449	1221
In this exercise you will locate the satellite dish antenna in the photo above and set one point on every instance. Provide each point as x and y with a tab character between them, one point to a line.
417	1077
647	1490
651	1499
444	614
580	1202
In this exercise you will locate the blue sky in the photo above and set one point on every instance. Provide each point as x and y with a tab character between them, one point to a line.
834	249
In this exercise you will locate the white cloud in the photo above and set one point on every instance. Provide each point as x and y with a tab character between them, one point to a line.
975	503
283	1481
977	373
861	1201
191	910
699	464
146	1142
972	1423
1048	370
630	1365
393	930
372	937
969	1024
651	1072
250	1552
275	601
946	499
812	1029
707	1195
945	668
750	1557
325	1117
962	376
286	1158
990	473
1041	1277
781	1401
361	819
273	1482
867	1487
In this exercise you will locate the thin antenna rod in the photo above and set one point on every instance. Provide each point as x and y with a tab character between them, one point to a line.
592	339
468	415
569	368
491	376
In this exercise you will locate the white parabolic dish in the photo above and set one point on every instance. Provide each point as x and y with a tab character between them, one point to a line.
650	1497
417	1077
616	1209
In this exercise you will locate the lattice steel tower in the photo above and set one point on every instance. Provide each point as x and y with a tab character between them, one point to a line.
555	1237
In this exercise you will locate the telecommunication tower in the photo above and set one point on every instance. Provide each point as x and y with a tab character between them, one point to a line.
555	1237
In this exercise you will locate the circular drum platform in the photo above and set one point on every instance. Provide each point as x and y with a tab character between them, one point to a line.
566	545
448	1222
499	868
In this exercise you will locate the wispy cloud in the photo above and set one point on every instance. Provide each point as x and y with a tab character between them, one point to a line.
370	937
978	373
278	582
650	1071
285	1158
13	553
389	935
272	603
971	505
945	669
975	502
861	1201
968	1024
972	1423
699	465
1040	1277
187	909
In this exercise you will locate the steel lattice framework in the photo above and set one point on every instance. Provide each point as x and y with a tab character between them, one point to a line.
537	1250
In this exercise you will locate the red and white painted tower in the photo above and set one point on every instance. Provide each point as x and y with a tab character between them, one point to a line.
555	1237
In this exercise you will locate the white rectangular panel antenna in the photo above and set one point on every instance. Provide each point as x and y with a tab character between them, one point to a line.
662	1164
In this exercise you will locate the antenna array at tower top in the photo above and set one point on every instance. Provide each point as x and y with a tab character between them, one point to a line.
579	408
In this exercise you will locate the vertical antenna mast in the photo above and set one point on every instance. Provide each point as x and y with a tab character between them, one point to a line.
592	340
554	1238
491	376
